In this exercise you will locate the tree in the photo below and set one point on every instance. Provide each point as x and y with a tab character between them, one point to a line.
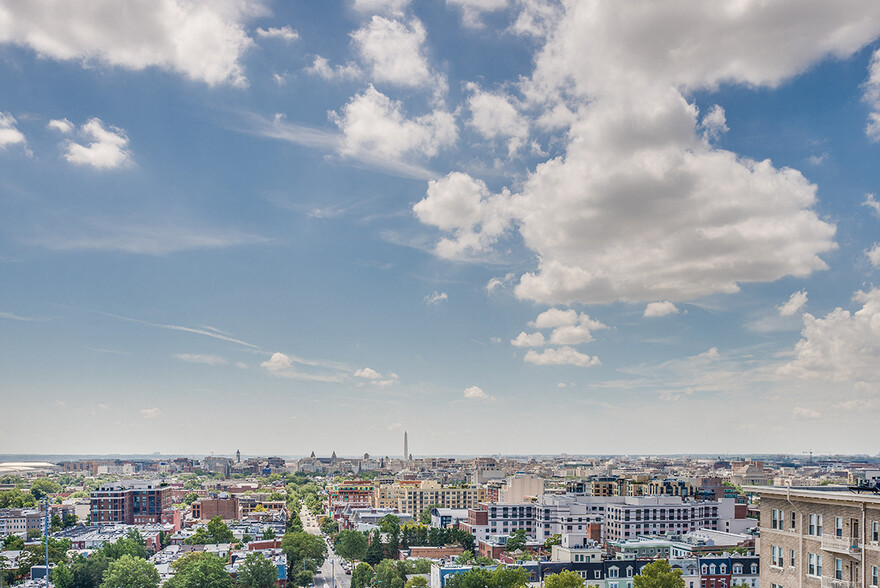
564	579
555	539
43	487
256	572
13	543
219	531
374	552
305	554
190	498
362	575
388	575
131	572
517	540
200	570
425	515
417	582
658	574
501	577
351	545
268	533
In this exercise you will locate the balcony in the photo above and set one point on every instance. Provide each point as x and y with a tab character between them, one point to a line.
847	545
832	583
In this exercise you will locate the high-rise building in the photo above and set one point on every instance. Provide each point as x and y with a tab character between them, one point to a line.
130	502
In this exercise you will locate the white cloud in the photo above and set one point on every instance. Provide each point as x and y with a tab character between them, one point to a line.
493	115
528	340
391	7
577	333
476	393
368	373
805	413
106	149
818	159
278	361
872	97
61	125
322	68
657	309
394	53
711	353
640	207
436	298
555	317
873	255
375	126
496	283
842	347
472	10
286	34
794	304
203	40
463	206
151	413
561	356
872	203
202	358
714	123
9	134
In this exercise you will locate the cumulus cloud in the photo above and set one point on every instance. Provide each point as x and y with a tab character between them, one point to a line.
493	115
580	332
472	10
202	358
393	52
203	40
322	68
373	125
657	309
286	34
873	255
476	393
496	283
555	317
643	206
278	361
794	304
375	378
528	340
841	347
561	356
61	125
107	147
460	205
9	134
151	413
436	297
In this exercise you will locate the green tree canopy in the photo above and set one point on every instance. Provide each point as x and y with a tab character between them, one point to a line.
43	487
555	539
500	577
305	554
190	498
362	575
256	572
564	579
374	553
517	540
658	574
351	545
200	570
130	572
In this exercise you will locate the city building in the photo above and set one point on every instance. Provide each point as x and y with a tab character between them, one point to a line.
819	537
130	502
415	496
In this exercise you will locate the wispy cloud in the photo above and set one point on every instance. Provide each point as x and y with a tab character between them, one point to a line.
10	316
201	358
206	332
436	297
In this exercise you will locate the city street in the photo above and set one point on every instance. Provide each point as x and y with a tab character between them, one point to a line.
331	575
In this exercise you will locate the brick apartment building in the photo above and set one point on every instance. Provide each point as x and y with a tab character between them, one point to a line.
819	537
131	502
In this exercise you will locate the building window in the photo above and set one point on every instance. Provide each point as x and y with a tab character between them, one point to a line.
793	524
875	531
811	565
873	575
791	557
838	526
613	572
838	568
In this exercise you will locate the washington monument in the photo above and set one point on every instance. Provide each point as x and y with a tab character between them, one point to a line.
405	448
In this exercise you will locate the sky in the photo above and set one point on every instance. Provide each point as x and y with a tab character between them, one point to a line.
505	226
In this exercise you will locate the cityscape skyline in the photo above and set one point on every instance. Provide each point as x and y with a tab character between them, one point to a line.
517	226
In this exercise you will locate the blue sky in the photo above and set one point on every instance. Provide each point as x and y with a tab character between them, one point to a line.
517	226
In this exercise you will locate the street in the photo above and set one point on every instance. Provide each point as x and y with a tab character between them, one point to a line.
331	575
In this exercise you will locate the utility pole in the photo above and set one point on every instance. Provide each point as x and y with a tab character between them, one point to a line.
46	504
